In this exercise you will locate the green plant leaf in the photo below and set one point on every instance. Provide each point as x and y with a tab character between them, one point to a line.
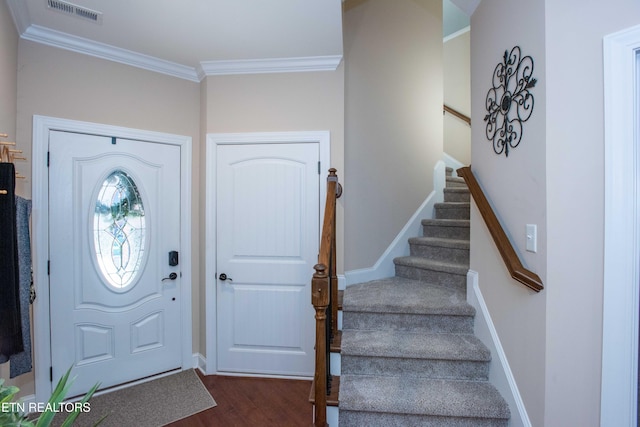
7	393
73	415
14	418
57	396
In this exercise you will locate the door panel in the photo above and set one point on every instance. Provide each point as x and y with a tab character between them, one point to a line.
114	216
267	243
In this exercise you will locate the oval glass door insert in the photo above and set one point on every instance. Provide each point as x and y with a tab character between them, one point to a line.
119	230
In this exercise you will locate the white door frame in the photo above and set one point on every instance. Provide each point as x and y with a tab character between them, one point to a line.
622	230
40	234
322	138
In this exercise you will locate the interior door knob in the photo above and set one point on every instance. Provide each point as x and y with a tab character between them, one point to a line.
224	277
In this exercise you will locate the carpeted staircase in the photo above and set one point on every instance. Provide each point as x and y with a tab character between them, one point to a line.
409	356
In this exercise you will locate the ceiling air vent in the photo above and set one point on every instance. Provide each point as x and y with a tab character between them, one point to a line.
74	10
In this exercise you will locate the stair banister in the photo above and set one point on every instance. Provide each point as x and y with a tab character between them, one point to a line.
508	253
458	114
324	298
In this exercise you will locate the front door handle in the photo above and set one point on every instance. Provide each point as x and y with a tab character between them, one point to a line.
172	276
224	277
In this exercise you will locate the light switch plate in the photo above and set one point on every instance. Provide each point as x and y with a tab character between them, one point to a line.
532	237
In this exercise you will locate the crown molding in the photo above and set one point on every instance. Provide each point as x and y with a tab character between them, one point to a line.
456	34
269	65
49	37
84	46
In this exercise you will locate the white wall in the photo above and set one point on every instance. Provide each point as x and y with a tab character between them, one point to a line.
393	116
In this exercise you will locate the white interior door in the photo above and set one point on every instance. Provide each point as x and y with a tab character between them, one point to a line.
267	244
114	212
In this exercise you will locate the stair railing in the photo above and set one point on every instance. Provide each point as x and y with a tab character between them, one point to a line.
324	298
509	255
458	114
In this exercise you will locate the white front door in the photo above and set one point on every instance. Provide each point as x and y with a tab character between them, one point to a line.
114	213
267	244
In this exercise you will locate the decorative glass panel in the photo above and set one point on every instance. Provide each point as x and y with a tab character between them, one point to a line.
119	230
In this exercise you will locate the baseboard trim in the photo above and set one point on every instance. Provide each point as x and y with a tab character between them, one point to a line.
342	282
200	363
452	162
384	266
500	372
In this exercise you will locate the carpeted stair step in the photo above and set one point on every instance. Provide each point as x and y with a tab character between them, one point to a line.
450	356
426	270
446	228
412	401
457	194
452	210
440	249
454	181
399	304
408	356
448	171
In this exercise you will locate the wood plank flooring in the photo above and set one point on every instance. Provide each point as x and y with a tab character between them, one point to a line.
253	402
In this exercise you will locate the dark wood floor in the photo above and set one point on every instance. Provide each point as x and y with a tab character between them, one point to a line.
253	402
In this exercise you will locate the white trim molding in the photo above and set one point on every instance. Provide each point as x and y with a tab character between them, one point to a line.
500	374
49	37
384	266
322	138
269	65
84	46
621	230
456	34
40	236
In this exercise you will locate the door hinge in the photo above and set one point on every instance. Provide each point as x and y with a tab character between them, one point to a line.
48	268
48	157
51	373
319	171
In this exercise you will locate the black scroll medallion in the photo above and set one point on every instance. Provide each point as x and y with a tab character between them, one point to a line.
509	103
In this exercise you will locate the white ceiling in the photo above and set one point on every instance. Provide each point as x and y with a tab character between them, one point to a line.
184	35
194	38
453	18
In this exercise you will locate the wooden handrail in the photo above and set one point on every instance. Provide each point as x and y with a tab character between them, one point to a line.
458	114
509	255
324	298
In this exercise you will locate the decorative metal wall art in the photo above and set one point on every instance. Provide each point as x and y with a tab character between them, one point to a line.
509	103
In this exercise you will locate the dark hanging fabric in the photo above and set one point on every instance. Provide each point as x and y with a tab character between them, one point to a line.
10	327
21	363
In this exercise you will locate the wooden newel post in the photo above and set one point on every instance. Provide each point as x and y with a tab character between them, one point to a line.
320	301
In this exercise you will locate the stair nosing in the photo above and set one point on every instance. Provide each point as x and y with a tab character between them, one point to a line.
452	205
475	350
430	397
447	222
443	242
451	303
428	264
